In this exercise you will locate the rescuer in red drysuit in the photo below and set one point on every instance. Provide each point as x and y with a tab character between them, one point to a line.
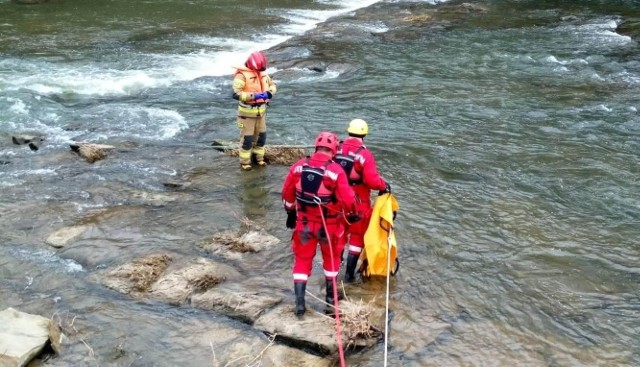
360	166
317	188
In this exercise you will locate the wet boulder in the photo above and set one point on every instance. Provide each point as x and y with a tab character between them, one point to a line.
91	152
629	27
237	301
30	140
23	336
232	244
274	154
63	236
167	277
313	331
198	275
360	326
136	277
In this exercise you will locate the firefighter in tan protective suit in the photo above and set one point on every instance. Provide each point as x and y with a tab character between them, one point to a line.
253	89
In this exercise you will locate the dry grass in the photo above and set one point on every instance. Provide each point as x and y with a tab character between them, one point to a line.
143	272
205	282
422	18
230	241
68	329
284	155
91	152
356	319
247	225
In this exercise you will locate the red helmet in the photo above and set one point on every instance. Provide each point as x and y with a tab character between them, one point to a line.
256	61
327	139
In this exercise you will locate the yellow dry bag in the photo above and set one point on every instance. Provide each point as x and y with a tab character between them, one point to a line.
379	238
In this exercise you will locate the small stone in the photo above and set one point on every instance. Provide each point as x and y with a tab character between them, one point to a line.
63	236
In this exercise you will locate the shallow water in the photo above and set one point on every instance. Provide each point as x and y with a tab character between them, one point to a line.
510	139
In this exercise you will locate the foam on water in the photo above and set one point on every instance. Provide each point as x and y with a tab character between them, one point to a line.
312	76
87	80
48	258
162	70
18	107
135	74
137	121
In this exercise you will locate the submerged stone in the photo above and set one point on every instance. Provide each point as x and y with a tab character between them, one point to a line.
234	347
281	355
63	236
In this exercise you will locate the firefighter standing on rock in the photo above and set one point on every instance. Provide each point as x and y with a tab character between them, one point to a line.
316	194
253	89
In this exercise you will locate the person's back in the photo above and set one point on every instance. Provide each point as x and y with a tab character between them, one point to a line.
359	164
314	193
363	176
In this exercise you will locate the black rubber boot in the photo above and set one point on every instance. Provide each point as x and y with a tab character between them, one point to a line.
299	288
349	274
329	297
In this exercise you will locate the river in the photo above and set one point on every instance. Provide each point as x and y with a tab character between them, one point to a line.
509	131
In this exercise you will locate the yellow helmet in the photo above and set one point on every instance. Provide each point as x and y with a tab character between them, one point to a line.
358	127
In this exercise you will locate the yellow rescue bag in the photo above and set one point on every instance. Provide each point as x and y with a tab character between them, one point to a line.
379	236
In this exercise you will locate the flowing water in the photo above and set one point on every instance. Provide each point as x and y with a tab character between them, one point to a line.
511	139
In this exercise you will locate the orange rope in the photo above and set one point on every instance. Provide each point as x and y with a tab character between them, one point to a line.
336	303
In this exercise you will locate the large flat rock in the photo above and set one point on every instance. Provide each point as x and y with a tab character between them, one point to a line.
234	300
199	275
22	337
237	347
281	355
314	330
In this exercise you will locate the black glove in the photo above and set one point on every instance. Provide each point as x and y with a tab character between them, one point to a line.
387	189
269	95
394	214
291	219
353	217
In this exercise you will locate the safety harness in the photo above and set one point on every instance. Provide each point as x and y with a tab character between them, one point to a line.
347	161
312	191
